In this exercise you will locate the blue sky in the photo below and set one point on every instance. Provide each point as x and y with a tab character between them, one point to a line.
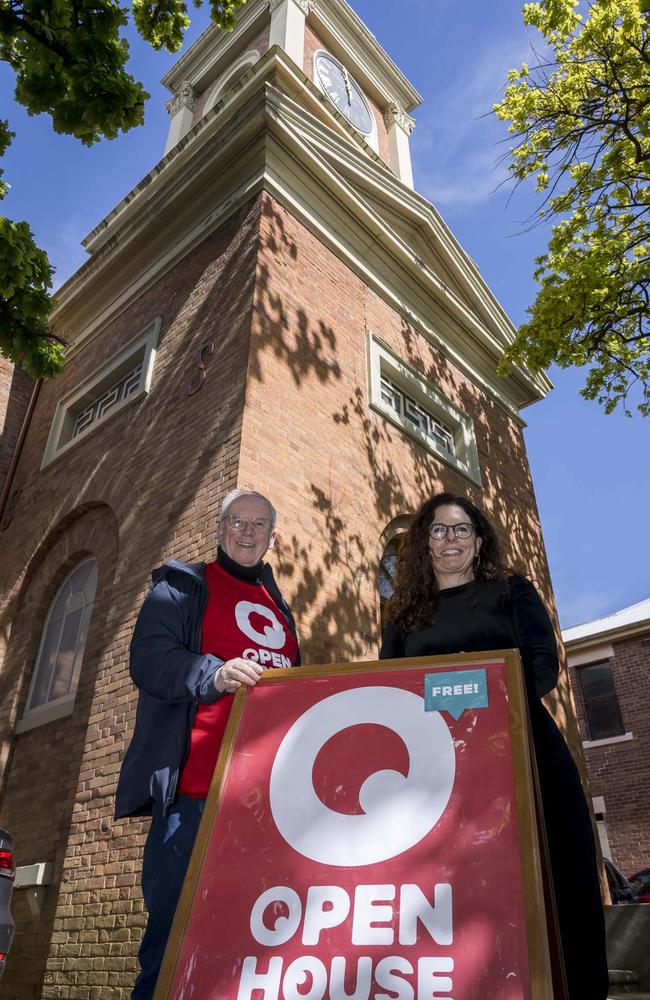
591	472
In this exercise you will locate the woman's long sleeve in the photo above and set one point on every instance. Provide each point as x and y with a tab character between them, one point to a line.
535	635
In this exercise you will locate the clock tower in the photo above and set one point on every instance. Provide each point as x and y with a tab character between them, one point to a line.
336	53
272	307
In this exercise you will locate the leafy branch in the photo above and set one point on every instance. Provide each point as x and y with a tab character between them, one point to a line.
582	121
70	62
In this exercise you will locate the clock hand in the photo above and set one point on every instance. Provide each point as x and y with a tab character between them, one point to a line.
348	87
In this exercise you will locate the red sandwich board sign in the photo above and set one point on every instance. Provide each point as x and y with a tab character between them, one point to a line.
369	835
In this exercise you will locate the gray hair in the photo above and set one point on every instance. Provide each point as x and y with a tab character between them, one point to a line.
236	494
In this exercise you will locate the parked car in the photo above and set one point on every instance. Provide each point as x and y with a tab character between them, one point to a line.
620	889
641	885
7	875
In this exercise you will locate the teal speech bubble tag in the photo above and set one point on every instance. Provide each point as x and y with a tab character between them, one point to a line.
455	691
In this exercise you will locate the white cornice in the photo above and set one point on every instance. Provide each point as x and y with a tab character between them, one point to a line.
485	316
259	137
293	79
387	264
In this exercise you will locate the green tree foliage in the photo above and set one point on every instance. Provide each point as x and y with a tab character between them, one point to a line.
70	62
25	277
582	119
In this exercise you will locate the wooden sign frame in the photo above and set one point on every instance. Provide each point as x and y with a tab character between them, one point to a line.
526	798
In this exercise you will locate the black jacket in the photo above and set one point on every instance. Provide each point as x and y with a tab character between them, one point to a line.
173	678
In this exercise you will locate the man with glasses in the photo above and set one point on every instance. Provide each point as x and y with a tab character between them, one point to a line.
203	631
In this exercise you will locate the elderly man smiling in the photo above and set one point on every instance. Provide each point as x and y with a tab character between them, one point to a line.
202	632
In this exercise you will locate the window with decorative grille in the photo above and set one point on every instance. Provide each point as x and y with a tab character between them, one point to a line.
426	422
125	378
123	388
410	401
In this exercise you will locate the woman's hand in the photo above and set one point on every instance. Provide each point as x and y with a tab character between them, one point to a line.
236	672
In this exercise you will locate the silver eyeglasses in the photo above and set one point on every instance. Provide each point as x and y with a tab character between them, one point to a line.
438	530
257	524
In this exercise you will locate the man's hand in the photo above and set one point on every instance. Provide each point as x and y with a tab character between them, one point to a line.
236	672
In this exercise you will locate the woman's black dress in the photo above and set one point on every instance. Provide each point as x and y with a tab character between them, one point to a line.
480	616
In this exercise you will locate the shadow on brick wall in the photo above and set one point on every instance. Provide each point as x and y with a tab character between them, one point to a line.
162	466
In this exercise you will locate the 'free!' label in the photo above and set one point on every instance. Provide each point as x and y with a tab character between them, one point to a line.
455	691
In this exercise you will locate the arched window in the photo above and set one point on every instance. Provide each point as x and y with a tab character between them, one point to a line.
58	664
391	538
237	70
386	576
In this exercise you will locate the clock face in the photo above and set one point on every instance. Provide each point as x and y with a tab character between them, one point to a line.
344	92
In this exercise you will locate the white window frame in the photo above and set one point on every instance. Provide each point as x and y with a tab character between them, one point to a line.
236	71
58	708
599	741
382	361
141	348
600	815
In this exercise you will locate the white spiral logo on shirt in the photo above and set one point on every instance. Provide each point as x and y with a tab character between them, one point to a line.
398	810
273	636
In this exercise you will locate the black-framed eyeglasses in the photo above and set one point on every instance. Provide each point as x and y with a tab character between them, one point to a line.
438	530
258	524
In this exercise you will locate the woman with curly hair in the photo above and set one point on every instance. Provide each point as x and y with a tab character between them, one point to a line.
452	594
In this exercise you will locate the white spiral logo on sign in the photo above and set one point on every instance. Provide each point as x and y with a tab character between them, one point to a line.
398	811
273	636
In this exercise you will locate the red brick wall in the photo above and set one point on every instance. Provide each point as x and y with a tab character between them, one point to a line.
312	44
284	408
338	471
153	476
620	771
41	781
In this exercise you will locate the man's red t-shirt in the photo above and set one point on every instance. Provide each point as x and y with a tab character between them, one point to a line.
241	619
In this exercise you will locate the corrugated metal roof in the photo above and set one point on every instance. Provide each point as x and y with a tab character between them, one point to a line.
633	615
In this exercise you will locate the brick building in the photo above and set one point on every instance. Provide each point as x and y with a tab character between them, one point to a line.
273	306
609	669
